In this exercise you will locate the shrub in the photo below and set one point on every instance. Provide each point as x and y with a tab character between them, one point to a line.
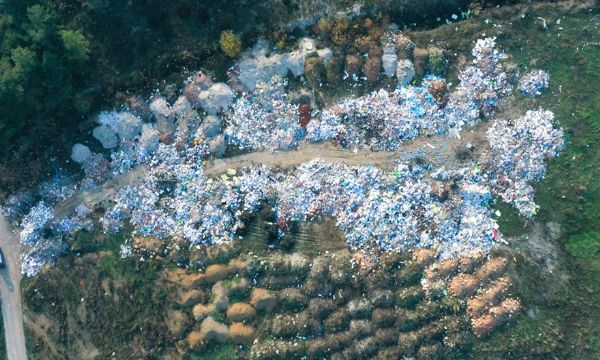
314	71
339	31
437	61
231	44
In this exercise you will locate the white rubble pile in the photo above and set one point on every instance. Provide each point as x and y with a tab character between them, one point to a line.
216	98
150	138
124	124
211	126
129	126
159	107
389	59
405	72
80	153
107	137
182	104
259	64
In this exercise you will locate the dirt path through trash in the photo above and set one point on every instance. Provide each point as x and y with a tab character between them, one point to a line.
440	150
432	148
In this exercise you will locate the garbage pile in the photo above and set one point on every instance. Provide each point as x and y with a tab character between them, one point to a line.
34	222
377	211
486	83
469	225
17	205
266	121
320	189
382	120
97	169
392	215
519	149
60	187
398	211
128	156
413	206
43	235
176	199
532	83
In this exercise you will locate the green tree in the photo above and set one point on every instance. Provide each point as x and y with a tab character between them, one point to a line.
231	44
76	45
41	25
42	68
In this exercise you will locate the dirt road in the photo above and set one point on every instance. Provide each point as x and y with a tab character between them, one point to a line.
431	148
10	293
101	193
305	152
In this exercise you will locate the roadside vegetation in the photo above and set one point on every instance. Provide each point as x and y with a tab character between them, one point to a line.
94	300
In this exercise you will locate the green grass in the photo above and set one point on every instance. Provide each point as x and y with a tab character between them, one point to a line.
132	314
97	240
127	269
570	192
584	245
526	336
219	317
511	224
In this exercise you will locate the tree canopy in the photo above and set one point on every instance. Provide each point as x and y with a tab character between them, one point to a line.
41	67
